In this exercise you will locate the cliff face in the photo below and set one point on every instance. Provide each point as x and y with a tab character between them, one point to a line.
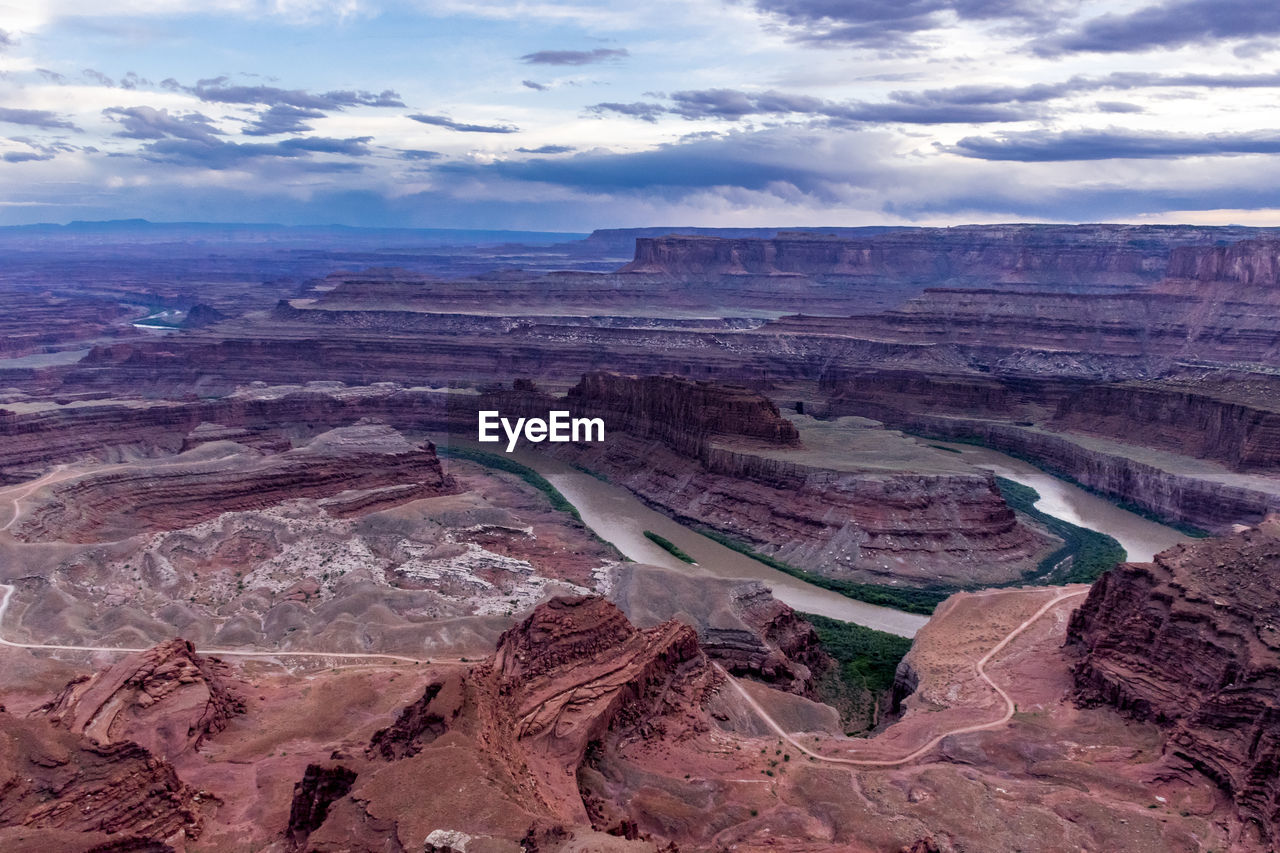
1210	502
681	412
1186	419
1253	264
1192	642
1104	254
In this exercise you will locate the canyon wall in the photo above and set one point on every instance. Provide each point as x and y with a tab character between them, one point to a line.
722	472
1254	265
1072	254
1242	433
1210	502
1191	642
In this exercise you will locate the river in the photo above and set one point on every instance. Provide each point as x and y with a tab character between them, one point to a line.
1140	537
619	517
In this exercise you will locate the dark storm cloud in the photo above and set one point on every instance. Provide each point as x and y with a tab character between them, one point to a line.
533	84
25	156
282	118
752	161
217	154
35	118
980	94
639	109
547	149
574	57
151	123
1044	147
462	127
1119	107
890	24
731	104
216	90
1169	25
97	77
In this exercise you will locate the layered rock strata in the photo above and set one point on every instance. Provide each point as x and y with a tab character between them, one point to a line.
575	670
64	786
1104	254
908	525
739	623
1192	642
167	699
225	477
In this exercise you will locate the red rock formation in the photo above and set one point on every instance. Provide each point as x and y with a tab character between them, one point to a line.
575	670
167	699
214	479
1192	641
739	623
319	788
796	652
420	723
55	781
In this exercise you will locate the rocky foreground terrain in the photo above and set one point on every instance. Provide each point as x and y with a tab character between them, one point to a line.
1192	642
583	732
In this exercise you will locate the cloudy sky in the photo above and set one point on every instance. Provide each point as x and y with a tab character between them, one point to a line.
551	115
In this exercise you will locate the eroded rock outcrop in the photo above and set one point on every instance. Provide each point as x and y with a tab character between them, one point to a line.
739	623
1192	641
167	699
56	781
312	796
420	723
575	670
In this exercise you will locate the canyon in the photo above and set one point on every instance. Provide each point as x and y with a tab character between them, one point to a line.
264	590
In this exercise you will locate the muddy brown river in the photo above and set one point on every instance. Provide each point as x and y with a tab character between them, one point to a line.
618	516
1140	537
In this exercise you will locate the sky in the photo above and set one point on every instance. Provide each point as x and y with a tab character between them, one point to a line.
570	116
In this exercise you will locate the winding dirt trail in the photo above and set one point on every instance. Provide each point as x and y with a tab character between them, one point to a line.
914	754
25	490
243	653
